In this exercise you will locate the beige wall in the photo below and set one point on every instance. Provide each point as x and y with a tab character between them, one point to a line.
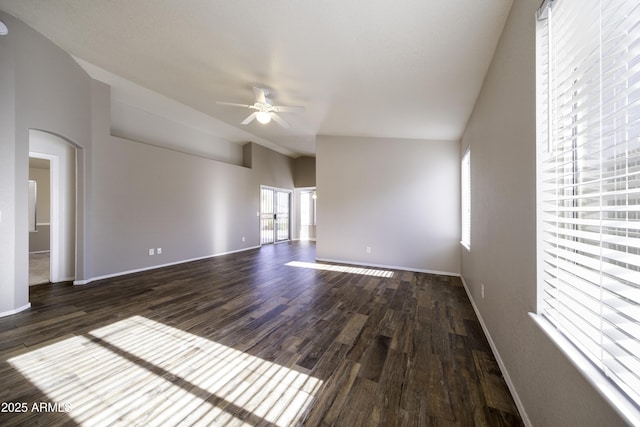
41	87
131	196
39	239
398	197
149	197
129	122
12	296
41	176
305	172
501	134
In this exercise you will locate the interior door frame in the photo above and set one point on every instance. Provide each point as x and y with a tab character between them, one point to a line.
275	191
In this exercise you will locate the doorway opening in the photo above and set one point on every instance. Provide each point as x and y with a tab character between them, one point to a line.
275	207
54	205
307	213
39	220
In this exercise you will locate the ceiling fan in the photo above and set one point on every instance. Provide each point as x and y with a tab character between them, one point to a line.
265	110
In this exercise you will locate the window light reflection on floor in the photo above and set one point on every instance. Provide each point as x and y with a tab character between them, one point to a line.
138	371
342	268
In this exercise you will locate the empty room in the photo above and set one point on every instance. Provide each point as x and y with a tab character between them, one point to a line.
295	213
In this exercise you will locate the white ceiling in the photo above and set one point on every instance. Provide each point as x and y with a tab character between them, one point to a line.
397	69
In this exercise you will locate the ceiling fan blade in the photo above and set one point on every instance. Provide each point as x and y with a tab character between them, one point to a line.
279	120
249	119
233	104
285	109
261	95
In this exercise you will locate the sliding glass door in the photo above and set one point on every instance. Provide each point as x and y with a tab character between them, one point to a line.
275	206
283	201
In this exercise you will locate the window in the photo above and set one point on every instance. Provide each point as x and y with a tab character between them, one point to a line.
465	202
588	194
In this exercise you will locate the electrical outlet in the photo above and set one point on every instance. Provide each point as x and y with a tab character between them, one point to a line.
482	290
151	252
159	251
243	238
368	249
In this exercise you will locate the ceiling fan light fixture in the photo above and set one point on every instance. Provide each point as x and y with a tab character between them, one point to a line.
265	111
263	117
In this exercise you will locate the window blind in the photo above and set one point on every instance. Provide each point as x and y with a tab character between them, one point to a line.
465	180
589	183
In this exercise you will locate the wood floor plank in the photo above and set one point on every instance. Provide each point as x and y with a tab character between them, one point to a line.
353	328
248	338
375	357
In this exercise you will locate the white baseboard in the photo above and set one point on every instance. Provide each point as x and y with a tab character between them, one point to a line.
153	267
494	349
17	310
390	267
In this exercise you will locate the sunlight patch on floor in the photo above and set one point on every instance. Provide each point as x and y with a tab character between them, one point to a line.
342	268
138	371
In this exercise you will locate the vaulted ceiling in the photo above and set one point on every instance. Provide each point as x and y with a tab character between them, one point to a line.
397	69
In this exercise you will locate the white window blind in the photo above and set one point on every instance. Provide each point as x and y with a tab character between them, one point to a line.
465	180
589	181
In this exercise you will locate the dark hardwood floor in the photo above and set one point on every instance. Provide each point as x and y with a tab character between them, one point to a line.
262	337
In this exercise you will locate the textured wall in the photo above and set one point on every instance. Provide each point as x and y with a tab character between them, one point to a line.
151	197
401	198
42	88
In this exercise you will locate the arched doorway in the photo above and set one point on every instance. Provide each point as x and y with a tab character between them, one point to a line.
62	160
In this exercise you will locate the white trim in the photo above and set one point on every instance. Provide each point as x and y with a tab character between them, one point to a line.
39	252
153	267
17	310
464	245
390	267
503	368
618	401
